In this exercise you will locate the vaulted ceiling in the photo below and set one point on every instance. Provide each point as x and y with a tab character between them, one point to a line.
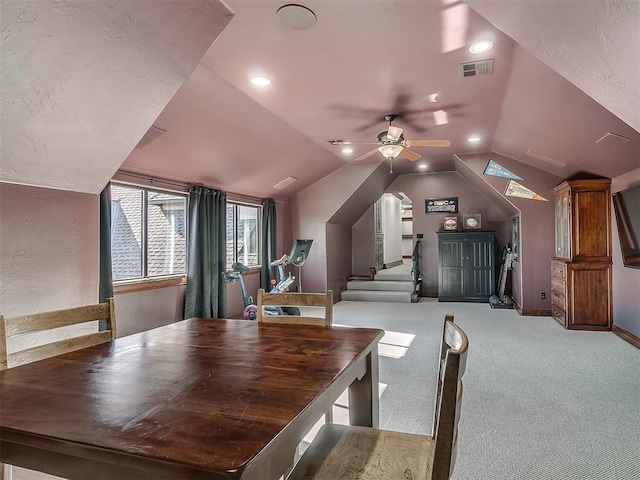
564	75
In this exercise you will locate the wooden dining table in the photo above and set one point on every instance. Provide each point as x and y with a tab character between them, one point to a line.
197	399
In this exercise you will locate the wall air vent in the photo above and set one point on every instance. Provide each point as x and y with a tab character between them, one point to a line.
338	141
481	67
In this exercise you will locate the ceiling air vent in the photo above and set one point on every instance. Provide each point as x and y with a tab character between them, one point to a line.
338	141
481	67
285	183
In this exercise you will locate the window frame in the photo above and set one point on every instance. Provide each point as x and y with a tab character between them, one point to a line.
146	282
258	207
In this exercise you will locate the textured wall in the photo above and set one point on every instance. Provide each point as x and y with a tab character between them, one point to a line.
48	249
83	80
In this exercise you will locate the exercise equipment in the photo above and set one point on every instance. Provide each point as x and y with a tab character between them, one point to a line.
501	300
250	311
297	257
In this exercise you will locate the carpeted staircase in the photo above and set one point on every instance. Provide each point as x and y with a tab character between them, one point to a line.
389	285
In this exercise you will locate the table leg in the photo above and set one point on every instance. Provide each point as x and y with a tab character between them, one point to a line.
364	409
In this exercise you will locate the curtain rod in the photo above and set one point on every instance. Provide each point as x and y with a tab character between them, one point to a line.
230	195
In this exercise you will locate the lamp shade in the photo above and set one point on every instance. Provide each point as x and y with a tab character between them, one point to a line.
390	151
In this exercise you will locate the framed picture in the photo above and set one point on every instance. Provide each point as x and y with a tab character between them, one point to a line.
441	205
472	221
450	223
515	238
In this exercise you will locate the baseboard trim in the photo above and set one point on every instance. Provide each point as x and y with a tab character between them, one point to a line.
393	264
532	312
626	336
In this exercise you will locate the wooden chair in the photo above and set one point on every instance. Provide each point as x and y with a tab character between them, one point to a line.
324	300
41	322
351	452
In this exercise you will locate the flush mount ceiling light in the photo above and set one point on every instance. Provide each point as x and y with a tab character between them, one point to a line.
296	17
481	46
473	139
390	151
260	81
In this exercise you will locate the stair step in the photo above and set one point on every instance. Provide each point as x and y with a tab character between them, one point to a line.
394	277
376	296
380	285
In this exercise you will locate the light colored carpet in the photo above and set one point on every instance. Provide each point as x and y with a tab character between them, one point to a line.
540	402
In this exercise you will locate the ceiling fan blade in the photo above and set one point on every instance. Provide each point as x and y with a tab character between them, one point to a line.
413	156
394	133
366	155
429	143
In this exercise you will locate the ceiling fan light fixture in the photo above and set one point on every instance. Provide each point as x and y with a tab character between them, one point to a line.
481	46
390	151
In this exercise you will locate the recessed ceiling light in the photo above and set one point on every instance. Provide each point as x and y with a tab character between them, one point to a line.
481	46
473	139
422	166
260	81
347	150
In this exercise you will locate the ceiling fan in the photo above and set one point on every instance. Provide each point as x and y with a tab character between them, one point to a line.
391	144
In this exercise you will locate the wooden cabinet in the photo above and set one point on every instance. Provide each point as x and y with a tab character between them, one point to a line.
466	266
581	287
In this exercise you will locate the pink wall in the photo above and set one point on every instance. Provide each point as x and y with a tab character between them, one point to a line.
470	200
49	259
537	228
339	198
363	244
338	259
626	281
48	249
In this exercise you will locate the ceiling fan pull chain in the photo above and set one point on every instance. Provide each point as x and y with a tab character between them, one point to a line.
391	166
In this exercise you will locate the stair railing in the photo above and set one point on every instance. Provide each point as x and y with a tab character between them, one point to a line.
415	269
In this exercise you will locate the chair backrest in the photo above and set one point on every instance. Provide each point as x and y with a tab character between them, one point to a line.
40	322
323	300
453	354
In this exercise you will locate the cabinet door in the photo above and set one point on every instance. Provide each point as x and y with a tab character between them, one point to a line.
563	225
480	281
592	225
451	258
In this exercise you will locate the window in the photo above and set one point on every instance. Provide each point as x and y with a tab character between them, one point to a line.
148	233
243	234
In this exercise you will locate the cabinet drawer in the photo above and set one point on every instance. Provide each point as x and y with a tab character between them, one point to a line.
558	269
558	285
558	300
559	315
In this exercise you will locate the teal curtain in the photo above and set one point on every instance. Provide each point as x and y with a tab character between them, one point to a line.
206	291
105	282
269	253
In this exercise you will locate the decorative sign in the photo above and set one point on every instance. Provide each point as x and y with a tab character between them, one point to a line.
514	189
441	205
494	169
